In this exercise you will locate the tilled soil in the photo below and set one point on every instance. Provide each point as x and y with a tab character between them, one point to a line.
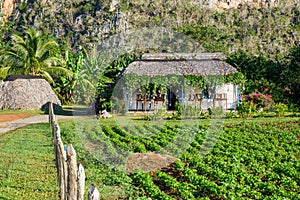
148	161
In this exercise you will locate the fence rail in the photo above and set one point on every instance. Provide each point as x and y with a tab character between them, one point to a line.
70	176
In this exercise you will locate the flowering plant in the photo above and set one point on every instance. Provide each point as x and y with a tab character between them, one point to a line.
255	101
259	100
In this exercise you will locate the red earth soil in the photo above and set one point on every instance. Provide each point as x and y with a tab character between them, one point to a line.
10	117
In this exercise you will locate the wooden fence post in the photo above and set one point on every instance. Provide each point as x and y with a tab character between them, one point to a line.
72	173
51	113
80	181
93	193
52	120
62	169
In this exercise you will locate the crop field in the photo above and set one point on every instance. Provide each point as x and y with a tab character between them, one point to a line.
251	159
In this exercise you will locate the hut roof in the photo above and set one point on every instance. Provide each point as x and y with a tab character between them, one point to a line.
180	64
25	92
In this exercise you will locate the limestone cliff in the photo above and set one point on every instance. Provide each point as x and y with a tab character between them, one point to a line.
85	23
78	21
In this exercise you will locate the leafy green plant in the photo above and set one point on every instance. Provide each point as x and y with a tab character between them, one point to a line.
254	103
65	86
231	114
293	108
247	109
186	111
157	114
106	81
280	109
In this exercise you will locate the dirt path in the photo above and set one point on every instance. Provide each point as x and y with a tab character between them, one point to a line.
11	117
11	122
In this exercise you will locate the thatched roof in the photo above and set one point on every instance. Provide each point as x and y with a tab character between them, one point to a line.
180	64
25	92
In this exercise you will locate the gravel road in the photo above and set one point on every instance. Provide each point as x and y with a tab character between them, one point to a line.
15	124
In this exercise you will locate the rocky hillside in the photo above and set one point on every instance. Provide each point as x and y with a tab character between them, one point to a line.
266	27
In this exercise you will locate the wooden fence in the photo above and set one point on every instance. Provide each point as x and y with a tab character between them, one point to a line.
71	178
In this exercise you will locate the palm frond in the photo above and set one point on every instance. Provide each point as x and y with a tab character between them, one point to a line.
90	84
35	66
46	47
47	77
32	33
21	49
58	71
12	59
17	39
16	70
4	72
52	61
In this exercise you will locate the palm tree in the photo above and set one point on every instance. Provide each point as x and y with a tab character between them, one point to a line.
34	55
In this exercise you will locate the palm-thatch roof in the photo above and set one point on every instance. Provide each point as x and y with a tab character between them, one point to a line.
25	92
162	64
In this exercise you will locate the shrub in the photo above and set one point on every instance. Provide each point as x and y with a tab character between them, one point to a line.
247	109
293	108
231	114
261	100
186	111
280	109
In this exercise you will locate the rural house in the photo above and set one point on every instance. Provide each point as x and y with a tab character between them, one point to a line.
173	71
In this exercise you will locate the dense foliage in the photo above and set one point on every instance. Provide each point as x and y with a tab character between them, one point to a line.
281	77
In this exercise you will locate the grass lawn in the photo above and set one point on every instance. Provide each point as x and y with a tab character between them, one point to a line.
253	158
27	168
67	110
29	112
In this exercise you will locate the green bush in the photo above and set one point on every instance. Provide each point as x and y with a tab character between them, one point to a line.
247	109
294	108
280	109
186	111
231	114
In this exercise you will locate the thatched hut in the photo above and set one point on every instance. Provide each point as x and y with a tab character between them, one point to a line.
26	93
182	64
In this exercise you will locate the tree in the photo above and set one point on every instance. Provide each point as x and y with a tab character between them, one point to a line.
33	55
291	76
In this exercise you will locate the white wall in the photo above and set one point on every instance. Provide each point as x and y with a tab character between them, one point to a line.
232	96
230	92
229	89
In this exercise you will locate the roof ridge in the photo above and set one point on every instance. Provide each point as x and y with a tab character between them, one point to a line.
182	56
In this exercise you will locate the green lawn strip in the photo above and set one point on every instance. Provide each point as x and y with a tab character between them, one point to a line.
27	168
29	112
